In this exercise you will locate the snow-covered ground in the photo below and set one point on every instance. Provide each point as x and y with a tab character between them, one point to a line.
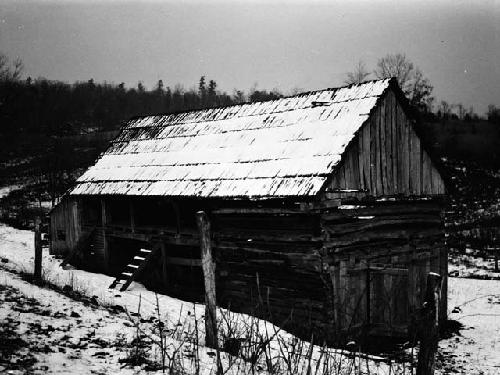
476	349
472	266
56	334
6	190
94	339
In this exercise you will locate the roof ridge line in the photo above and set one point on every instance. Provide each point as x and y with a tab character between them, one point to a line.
262	101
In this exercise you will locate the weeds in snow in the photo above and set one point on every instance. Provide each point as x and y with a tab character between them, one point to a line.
249	346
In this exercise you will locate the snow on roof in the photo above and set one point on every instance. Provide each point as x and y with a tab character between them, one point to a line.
279	148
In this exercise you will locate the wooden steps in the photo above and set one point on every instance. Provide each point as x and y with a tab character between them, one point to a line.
134	268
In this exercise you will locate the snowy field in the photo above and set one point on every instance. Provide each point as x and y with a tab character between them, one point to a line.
50	332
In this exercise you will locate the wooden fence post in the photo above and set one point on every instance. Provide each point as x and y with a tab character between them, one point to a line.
208	267
38	251
429	327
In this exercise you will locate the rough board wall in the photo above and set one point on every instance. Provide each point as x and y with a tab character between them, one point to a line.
65	227
387	158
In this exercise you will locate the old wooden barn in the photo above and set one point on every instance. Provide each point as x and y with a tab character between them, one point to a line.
325	209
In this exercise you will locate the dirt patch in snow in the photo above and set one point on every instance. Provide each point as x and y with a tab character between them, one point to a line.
15	352
45	332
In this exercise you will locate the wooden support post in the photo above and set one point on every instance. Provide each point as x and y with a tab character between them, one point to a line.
38	251
104	221
164	265
132	216
208	267
429	327
103	213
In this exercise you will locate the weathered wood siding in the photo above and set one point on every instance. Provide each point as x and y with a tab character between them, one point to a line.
378	256
386	157
65	226
333	271
268	264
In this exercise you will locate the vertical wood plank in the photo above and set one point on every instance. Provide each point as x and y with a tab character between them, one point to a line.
343	296
388	142
406	154
103	213
412	279
382	149
343	177
388	300
394	141
364	310
373	153
333	271
208	268
399	144
356	182
361	151
104	221
411	150
366	157
426	174
415	162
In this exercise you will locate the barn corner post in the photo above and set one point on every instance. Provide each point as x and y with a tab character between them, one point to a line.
208	267
37	274
429	328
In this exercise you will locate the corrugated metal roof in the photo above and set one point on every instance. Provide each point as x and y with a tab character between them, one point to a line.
285	147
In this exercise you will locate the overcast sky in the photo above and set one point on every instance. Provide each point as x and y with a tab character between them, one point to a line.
284	45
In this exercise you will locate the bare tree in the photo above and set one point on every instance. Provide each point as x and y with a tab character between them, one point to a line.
8	72
4	66
395	65
461	110
239	96
359	75
18	68
493	114
410	78
444	109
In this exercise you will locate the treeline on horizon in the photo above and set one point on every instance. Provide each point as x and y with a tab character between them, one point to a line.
41	106
59	108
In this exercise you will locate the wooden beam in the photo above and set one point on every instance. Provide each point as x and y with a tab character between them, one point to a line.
189	262
261	211
208	267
